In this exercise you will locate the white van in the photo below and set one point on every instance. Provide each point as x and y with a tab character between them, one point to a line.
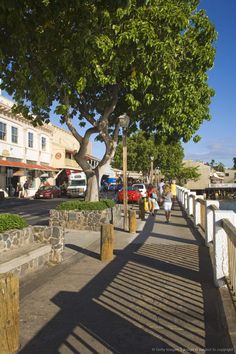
141	187
77	185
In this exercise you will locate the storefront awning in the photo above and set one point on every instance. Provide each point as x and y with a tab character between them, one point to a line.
19	173
28	166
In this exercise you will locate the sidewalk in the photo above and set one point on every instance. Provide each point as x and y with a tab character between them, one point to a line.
156	295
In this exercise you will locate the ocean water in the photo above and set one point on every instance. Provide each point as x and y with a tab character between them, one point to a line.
228	205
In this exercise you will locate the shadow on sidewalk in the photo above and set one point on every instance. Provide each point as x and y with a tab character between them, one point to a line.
83	250
150	298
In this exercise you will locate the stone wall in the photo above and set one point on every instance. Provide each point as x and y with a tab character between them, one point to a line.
85	219
13	239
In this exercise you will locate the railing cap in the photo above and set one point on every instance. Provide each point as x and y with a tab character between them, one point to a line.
213	207
230	229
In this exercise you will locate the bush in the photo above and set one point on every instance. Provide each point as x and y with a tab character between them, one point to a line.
11	221
81	205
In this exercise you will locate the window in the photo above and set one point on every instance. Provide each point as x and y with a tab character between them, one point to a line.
227	175
69	155
30	140
3	129
43	142
14	135
31	162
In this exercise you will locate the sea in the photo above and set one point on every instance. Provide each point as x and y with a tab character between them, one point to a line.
228	205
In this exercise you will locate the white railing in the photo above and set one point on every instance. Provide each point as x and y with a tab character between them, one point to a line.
219	231
222	185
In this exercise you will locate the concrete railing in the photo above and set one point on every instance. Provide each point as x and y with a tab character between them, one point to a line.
219	232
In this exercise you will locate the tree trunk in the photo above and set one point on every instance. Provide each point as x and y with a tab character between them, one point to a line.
94	182
92	193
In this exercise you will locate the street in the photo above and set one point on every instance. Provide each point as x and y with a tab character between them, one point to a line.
35	211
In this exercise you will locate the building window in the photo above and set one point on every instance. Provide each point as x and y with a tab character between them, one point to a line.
69	155
31	162
13	159
43	142
30	140
14	135
3	129
227	175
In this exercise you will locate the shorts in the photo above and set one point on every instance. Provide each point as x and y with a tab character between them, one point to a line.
167	206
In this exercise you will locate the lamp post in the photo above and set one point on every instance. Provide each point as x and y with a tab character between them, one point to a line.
151	170
124	123
157	173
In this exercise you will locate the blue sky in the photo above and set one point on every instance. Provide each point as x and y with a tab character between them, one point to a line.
219	135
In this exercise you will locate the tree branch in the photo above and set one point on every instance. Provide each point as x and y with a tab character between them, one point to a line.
84	143
112	106
70	126
84	110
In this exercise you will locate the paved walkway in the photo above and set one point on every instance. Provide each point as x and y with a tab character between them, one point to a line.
157	295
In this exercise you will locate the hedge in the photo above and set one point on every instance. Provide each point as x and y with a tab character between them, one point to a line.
11	221
81	205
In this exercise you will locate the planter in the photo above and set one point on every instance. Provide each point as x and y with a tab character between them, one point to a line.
85	219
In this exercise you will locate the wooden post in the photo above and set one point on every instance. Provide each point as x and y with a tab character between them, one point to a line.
141	210
107	238
125	182
9	313
132	221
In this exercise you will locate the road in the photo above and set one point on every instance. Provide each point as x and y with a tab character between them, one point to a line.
35	211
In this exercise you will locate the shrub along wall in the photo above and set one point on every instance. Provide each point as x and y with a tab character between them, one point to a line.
11	221
85	216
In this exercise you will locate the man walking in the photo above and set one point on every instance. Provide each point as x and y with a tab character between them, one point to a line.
26	187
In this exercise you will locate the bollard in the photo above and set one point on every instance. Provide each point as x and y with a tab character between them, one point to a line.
141	210
9	313
107	238
132	221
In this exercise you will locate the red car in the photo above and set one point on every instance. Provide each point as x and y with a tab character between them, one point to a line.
49	192
133	195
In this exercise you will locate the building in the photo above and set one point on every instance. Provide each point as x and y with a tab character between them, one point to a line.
36	154
25	151
230	176
205	172
64	146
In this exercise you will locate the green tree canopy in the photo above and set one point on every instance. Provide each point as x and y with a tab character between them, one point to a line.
184	174
234	161
99	59
167	157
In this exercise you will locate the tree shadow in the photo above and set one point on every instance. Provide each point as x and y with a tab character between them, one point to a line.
151	297
83	250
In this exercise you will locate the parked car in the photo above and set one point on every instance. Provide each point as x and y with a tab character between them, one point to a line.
141	187
133	195
48	192
112	187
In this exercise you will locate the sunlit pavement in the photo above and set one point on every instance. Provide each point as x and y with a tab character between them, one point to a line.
156	295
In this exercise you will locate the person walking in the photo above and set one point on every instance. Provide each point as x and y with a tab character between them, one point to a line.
173	191
152	199
161	186
26	187
167	205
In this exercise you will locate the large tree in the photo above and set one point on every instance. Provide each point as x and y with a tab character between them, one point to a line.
167	157
99	59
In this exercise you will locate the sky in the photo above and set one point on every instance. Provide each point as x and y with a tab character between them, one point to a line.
219	135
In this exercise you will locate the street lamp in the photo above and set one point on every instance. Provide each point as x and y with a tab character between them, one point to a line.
124	123
151	170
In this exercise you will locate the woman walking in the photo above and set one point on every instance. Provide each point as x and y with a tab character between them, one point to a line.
167	197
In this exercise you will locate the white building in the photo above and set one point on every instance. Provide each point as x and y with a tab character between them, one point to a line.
25	151
34	153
